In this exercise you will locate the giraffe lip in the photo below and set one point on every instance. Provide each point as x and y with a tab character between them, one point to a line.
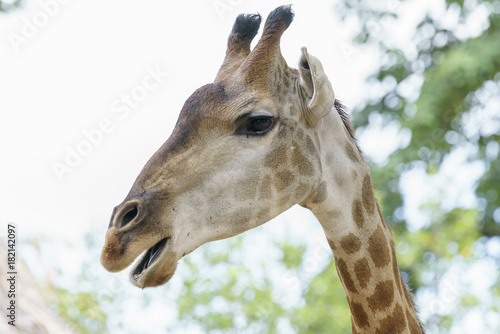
149	258
156	266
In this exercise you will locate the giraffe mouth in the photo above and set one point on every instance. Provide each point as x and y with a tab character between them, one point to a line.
156	266
149	258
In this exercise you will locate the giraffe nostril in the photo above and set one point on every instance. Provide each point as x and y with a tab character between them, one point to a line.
129	216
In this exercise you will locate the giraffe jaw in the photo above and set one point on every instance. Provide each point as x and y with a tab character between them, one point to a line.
156	266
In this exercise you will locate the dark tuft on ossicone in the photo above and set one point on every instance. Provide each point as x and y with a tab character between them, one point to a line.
247	25
282	14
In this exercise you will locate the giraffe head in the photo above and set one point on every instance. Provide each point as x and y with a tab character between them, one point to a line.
243	151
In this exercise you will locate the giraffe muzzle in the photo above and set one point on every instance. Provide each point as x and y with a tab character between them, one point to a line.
132	234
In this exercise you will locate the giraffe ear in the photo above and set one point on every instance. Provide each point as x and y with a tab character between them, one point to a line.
316	93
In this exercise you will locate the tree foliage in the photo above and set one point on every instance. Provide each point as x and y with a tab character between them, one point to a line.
455	110
7	6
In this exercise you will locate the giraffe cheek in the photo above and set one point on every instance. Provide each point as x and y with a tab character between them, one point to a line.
265	190
248	191
282	180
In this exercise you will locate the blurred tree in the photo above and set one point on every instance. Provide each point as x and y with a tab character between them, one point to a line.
6	6
443	89
231	299
460	76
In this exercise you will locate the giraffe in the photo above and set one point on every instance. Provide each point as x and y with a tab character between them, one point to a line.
259	139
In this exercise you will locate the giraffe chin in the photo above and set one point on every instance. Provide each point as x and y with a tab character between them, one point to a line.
156	266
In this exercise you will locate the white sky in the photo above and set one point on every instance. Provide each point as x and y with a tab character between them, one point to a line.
66	78
75	68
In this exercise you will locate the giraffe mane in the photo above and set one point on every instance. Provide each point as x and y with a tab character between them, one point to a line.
346	119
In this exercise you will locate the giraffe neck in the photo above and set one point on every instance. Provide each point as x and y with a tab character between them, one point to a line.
362	243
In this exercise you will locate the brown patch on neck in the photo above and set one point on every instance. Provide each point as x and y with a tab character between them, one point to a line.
367	195
345	275
378	248
357	213
350	243
363	272
394	323
359	316
382	297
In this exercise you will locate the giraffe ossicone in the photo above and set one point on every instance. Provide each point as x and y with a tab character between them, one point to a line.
259	139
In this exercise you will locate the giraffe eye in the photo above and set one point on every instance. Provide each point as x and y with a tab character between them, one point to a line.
259	125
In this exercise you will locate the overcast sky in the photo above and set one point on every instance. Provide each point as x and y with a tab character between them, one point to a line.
123	70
